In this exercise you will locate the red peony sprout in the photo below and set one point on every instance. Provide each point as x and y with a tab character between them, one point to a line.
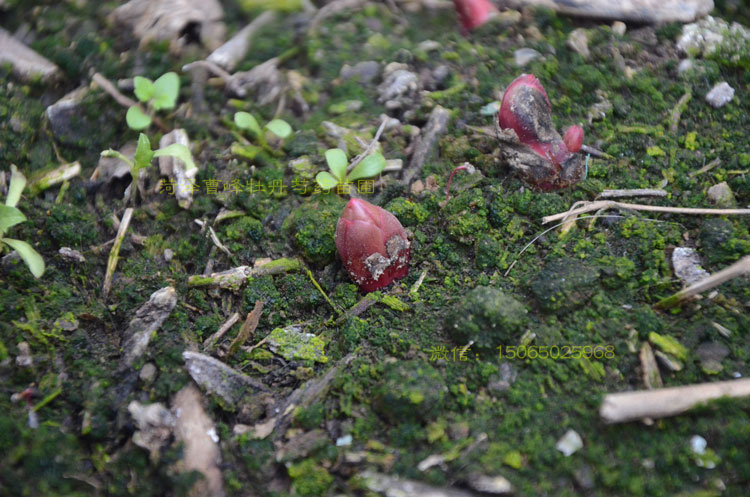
474	13
527	111
372	245
573	138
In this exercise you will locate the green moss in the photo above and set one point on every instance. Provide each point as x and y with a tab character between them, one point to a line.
245	228
564	284
409	391
486	316
408	212
309	479
465	216
71	227
313	226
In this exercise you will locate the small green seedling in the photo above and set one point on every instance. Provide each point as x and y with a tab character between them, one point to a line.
246	121
144	155
11	216
156	95
372	165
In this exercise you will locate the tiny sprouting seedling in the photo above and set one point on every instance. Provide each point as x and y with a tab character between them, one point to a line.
246	121
11	216
156	95
372	165
144	155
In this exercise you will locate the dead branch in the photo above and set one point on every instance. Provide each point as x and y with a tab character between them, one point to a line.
609	204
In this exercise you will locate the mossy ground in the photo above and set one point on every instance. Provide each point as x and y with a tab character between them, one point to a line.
83	440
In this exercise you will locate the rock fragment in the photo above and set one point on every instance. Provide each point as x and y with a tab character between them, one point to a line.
26	63
399	87
218	378
570	443
720	95
148	318
66	120
365	71
176	21
721	195
155	423
71	254
687	266
200	441
523	56
578	41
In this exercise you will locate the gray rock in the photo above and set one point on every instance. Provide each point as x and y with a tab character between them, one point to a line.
218	378
71	255
26	63
147	373
710	34
66	118
168	255
721	195
711	354
720	95
523	56
570	443
619	28
109	168
578	41
409	390
495	485
399	87
24	359
365	72
687	266
148	318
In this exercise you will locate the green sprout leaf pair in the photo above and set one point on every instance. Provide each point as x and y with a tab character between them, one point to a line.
372	165
158	95
246	121
11	216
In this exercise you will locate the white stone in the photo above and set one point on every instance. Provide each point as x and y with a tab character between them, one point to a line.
569	443
720	95
523	56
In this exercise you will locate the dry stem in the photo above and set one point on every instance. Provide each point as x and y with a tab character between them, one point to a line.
114	253
608	204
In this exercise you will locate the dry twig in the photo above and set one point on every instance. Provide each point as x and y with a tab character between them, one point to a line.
602	204
114	253
664	402
739	268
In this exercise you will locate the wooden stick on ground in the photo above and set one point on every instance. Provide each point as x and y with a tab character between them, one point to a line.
737	269
251	322
211	341
641	192
664	402
601	204
115	252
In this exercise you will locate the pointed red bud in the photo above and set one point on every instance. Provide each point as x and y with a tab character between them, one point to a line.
372	245
573	138
474	13
526	110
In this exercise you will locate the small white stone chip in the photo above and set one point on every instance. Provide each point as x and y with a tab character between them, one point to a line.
720	95
569	443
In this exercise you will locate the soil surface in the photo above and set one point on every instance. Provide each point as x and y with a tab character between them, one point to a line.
505	334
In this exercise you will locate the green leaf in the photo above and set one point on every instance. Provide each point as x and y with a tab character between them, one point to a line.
280	128
9	216
325	180
144	88
181	152
245	120
136	119
30	256
143	154
372	165
17	184
337	162
166	90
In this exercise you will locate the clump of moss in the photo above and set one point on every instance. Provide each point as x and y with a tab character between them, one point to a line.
408	212
308	478
243	229
564	284
720	241
616	271
466	216
313	226
71	227
487	316
409	391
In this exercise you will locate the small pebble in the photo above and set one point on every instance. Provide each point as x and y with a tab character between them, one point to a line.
619	28
569	443
523	56
168	254
720	95
578	41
